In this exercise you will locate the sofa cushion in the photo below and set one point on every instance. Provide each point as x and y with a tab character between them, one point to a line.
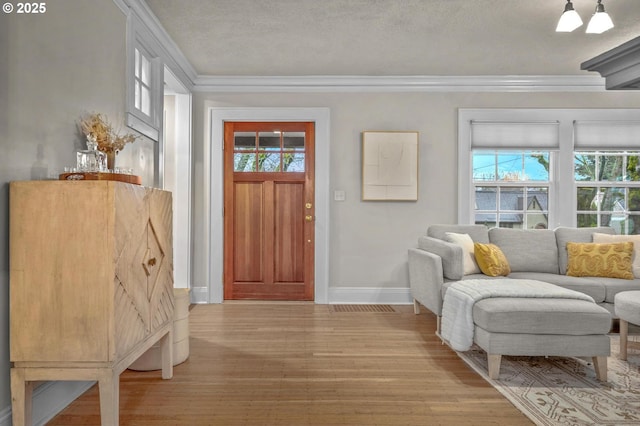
491	260
533	250
635	239
541	316
576	235
600	260
478	233
593	287
470	266
613	286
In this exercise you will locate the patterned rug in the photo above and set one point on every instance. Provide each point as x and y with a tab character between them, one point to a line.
565	391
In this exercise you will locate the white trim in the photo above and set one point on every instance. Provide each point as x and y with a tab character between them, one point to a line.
49	399
213	184
370	295
171	54
142	127
200	295
533	83
5	416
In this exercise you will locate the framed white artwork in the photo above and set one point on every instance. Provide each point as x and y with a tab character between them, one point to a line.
389	166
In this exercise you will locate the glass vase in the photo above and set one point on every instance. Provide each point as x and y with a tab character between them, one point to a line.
90	159
111	160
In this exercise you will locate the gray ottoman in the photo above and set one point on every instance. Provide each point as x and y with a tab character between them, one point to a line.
541	327
627	308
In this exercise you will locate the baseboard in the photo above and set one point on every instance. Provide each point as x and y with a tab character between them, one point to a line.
5	416
355	295
370	295
199	295
49	399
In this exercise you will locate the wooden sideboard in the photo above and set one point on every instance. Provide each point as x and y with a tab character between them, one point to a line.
91	285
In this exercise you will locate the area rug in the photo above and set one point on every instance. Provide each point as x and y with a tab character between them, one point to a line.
565	391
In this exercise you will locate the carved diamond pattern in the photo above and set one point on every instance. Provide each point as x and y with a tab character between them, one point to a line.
153	259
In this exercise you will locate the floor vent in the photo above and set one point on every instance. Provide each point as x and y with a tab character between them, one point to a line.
362	308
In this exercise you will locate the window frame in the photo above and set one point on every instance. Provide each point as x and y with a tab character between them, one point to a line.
562	186
140	38
626	186
506	185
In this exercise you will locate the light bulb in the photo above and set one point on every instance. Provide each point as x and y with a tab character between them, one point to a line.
600	21
570	20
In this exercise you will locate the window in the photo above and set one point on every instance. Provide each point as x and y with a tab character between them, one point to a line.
144	80
608	190
270	151
545	168
511	188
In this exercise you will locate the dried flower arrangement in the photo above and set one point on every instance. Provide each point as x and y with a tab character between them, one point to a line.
98	129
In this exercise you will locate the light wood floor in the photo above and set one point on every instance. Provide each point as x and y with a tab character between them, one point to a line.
306	364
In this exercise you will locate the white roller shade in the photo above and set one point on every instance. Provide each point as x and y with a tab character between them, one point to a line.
506	135
599	135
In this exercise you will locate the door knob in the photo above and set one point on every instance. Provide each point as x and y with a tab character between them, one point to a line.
308	218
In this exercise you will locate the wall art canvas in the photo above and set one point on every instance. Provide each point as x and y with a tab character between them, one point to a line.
389	166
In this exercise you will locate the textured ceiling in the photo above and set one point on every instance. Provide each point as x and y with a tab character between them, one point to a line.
388	37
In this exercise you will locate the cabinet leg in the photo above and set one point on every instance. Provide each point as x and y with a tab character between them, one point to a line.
109	386
166	351
21	397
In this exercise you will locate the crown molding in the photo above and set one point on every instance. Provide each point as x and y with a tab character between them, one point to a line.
509	83
619	66
183	69
172	55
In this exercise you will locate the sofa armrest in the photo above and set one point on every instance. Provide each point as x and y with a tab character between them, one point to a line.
425	279
451	256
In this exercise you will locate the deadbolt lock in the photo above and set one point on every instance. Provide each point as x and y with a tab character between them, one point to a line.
308	205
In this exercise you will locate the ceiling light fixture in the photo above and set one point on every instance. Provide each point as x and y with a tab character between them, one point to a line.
600	21
570	20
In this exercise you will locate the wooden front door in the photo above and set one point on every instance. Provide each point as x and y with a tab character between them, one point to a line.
269	211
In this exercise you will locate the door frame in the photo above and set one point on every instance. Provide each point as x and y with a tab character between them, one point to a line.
213	169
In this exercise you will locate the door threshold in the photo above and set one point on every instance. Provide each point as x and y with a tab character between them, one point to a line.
268	302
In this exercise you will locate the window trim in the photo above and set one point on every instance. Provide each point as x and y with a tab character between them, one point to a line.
562	189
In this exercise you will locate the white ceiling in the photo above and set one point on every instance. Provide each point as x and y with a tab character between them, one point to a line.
388	37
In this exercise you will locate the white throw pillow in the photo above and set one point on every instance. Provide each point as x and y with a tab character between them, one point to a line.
635	239
469	259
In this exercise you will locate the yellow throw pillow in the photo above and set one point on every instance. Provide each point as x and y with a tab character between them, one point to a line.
635	239
600	260
491	260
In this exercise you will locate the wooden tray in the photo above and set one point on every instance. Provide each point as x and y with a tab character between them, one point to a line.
137	180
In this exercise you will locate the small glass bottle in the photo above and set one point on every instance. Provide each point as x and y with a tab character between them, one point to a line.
90	159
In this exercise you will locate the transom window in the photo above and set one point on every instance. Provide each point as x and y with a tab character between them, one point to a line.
271	151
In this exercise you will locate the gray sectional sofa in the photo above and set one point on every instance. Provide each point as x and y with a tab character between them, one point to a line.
538	254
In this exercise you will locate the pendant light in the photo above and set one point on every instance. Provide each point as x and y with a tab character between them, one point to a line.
570	20
600	21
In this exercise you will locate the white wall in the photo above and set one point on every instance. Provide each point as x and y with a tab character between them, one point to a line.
369	240
54	67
